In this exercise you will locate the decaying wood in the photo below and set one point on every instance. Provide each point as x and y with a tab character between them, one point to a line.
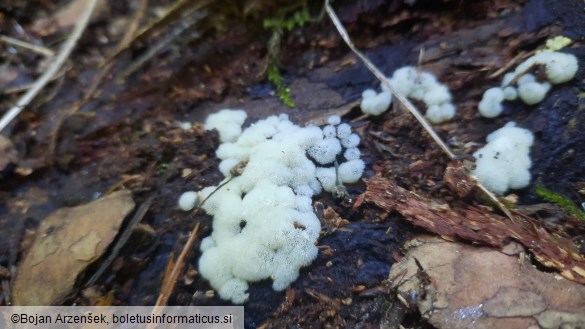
477	224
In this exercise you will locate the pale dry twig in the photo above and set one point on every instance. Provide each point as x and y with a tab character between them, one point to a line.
53	68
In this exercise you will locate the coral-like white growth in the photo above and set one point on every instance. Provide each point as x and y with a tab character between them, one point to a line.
440	113
558	68
421	86
228	123
352	153
351	171
343	130
533	92
504	163
491	103
264	225
352	140
334	120
326	150
374	103
510	93
329	131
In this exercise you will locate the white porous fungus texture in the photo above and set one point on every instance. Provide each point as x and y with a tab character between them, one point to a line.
558	68
351	171
421	86
326	150
228	123
504	163
334	120
374	103
264	226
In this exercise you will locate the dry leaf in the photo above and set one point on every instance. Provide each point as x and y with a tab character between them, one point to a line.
67	242
460	286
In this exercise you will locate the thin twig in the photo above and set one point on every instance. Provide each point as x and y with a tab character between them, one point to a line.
409	106
29	46
512	62
53	68
127	38
401	98
122	240
170	281
494	199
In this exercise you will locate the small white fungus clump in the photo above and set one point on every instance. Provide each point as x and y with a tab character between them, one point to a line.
558	68
228	123
533	92
264	226
374	103
504	163
491	103
421	86
188	200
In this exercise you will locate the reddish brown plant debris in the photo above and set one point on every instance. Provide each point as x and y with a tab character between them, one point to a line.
477	224
458	179
332	221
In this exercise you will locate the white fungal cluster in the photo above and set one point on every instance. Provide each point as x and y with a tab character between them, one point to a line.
557	68
374	103
504	163
421	86
263	220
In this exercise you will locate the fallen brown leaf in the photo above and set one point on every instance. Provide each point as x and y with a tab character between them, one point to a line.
473	287
68	241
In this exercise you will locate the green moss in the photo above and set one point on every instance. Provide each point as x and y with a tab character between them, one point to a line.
560	200
298	18
282	90
284	19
